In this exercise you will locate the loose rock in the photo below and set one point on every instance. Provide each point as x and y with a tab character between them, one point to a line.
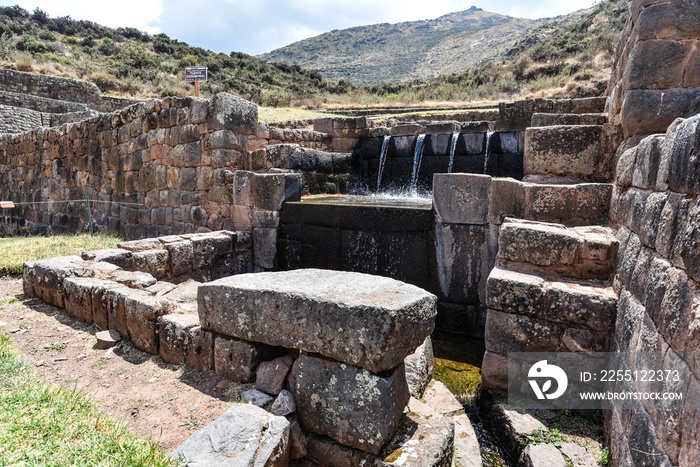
107	339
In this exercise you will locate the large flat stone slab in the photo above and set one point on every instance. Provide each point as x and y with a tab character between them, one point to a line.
369	321
244	436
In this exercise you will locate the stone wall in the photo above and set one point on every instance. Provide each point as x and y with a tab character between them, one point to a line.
270	135
656	77
19	120
656	205
156	168
40	104
58	89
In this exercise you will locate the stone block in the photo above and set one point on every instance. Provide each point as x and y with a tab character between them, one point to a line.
625	169
666	230
506	199
510	424
668	20
629	317
569	151
581	306
407	129
107	339
538	243
237	360
265	247
207	248
474	142
270	191
550	203
174	331
657	64
50	274
134	279
244	435
78	298
200	355
646	166
514	292
270	376
678	319
419	368
154	262
355	318
142	311
258	398
494	373
101	302
284	404
507	333
283	156
227	112
539	455
461	198
348	403
181	256
649	225
464	258
593	201
646	112
28	278
136	246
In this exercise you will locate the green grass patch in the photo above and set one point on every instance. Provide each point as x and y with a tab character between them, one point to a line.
462	379
16	250
45	424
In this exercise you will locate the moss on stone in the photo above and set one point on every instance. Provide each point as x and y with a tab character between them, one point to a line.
394	456
462	379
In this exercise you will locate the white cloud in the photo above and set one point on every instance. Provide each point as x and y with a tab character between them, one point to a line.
257	26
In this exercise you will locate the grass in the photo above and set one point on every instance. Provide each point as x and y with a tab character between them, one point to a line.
279	115
45	424
15	251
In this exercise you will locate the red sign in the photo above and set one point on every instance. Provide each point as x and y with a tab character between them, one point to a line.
195	73
7	204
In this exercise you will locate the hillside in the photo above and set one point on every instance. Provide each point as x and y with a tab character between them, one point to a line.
392	53
567	56
128	62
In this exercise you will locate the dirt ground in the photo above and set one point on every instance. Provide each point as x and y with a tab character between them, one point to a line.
166	403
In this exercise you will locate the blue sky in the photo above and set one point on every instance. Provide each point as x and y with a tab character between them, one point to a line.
258	26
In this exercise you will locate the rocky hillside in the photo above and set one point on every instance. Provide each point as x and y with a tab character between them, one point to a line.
130	63
391	53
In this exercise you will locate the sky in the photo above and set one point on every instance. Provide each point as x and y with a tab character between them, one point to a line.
258	26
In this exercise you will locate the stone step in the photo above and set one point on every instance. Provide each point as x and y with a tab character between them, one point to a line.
563	203
557	251
567	150
552	119
586	304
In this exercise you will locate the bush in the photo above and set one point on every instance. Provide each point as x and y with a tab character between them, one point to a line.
32	45
108	47
40	16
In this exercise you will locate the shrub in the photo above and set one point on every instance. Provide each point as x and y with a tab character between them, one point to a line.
31	44
40	16
108	47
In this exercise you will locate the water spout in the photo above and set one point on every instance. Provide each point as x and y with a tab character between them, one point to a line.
382	161
453	148
488	150
417	158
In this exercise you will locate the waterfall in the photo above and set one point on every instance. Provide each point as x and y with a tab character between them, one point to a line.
382	161
488	150
417	157
453	148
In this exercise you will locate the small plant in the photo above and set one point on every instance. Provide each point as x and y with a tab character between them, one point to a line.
192	423
604	457
55	346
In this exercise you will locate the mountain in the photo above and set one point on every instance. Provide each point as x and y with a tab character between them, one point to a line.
392	53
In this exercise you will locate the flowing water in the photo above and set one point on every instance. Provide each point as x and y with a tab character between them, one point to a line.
453	148
489	135
382	161
417	158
